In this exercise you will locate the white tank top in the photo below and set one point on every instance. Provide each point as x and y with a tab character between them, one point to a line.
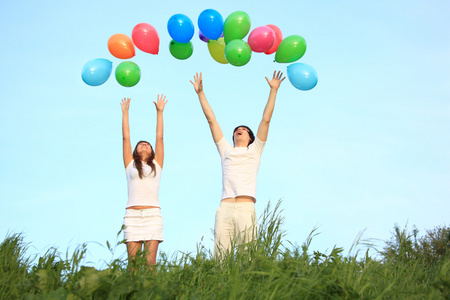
143	192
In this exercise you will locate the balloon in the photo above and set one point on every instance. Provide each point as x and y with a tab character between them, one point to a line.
217	50
202	37
210	23
180	28
96	71
146	38
238	53
278	39
302	76
236	26
121	46
261	39
128	74
290	49
181	50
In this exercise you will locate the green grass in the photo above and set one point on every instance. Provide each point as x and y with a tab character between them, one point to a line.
269	268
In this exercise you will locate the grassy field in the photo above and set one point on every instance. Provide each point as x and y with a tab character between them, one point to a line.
269	268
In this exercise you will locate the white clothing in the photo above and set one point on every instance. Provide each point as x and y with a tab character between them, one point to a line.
239	168
235	225
143	225
143	192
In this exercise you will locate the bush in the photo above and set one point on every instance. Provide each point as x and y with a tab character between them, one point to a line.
430	249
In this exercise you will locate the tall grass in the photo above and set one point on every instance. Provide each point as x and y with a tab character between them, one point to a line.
268	268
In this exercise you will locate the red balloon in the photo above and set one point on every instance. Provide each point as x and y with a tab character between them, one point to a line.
261	39
278	39
121	46
146	38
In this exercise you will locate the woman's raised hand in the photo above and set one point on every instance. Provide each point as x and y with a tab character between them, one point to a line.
125	104
160	103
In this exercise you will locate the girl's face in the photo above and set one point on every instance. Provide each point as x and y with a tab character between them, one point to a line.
144	149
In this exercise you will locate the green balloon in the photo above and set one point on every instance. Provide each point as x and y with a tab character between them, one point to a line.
181	50
236	26
238	53
128	74
290	49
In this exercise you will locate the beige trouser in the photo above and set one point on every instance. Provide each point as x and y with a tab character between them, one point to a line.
235	224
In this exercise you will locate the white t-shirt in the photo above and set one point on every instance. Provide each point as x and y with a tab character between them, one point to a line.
239	168
143	191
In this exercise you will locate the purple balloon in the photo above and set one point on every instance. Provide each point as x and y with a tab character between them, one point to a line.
202	37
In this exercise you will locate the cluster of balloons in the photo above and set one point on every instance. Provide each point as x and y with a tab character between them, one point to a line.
226	44
225	41
181	30
144	36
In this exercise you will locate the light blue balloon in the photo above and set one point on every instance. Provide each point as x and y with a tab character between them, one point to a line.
181	28
210	23
96	71
302	76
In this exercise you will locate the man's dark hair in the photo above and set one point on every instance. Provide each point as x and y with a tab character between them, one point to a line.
250	133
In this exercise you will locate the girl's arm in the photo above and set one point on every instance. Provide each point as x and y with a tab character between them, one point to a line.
127	153
159	144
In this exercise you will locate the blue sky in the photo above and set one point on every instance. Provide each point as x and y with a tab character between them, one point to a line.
365	149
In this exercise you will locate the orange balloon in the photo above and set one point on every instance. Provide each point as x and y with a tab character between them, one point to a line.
121	46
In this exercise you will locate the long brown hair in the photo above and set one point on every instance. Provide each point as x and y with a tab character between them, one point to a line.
138	161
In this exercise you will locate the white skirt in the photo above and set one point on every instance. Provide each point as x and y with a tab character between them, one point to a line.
143	225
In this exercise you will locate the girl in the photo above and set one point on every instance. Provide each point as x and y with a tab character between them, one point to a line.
143	220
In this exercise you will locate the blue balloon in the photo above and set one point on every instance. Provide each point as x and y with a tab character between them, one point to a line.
96	71
210	23
302	76
181	28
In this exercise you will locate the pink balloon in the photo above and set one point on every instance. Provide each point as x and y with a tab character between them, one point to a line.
146	38
278	39
261	39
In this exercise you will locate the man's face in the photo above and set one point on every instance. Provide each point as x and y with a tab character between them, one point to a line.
241	134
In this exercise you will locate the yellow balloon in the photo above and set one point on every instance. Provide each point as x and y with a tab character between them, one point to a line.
217	50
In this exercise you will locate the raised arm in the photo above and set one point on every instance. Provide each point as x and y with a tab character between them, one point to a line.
127	152
263	129
159	144
207	110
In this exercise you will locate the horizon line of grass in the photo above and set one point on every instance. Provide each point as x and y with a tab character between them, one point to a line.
267	268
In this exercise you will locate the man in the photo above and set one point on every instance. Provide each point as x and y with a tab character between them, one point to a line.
235	217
